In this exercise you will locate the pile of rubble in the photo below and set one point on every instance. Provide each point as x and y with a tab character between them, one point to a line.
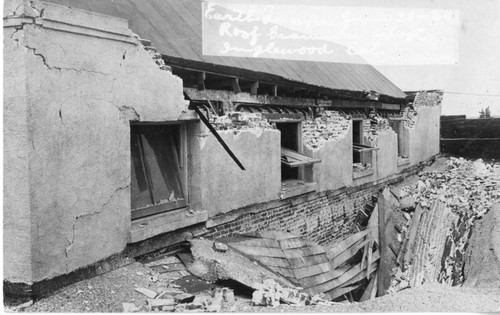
467	189
359	167
170	300
239	121
330	126
271	293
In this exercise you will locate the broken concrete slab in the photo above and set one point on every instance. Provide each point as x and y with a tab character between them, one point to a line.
220	247
230	265
130	308
158	304
149	293
184	298
407	202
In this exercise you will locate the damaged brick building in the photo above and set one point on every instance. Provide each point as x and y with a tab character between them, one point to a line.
114	148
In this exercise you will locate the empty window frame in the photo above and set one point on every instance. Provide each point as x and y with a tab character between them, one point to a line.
361	153
158	169
397	126
292	161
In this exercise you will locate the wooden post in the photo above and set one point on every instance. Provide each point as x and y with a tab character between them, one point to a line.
254	87
201	80
236	85
275	91
382	267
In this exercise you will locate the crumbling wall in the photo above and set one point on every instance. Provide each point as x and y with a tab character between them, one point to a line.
219	185
328	138
322	217
373	127
75	145
327	127
422	123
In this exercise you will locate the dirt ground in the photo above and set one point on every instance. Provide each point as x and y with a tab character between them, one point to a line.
107	292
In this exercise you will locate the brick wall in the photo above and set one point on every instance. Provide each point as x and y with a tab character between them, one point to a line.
322	217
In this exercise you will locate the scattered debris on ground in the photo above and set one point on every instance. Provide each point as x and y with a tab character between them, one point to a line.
482	258
272	271
466	189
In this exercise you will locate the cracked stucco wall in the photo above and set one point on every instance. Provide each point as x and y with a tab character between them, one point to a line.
424	135
67	137
216	181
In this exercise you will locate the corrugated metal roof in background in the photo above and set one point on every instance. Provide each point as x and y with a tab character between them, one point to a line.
175	29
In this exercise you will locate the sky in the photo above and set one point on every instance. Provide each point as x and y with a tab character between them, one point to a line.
474	82
458	52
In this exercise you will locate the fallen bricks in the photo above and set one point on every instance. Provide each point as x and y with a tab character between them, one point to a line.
273	294
467	190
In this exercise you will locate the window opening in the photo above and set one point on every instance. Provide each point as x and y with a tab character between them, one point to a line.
157	169
397	126
291	159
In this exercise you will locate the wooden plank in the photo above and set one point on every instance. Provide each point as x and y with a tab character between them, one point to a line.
163	261
341	291
308	271
308	261
316	280
277	235
169	267
372	285
343	279
363	272
257	242
342	246
415	221
384	267
304	251
259	251
296	159
346	255
295	243
285	272
274	262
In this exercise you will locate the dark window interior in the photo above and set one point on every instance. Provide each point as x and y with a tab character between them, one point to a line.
357	133
289	139
396	126
156	169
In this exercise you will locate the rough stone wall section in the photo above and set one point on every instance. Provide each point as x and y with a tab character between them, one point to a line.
240	121
330	126
373	126
422	99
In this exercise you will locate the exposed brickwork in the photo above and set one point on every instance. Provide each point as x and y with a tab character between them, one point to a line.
422	99
329	126
321	217
374	126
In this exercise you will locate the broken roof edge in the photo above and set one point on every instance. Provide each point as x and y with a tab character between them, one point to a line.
274	79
